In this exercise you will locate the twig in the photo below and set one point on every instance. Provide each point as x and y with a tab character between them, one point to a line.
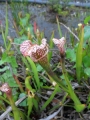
86	85
44	97
81	116
45	78
9	109
70	31
75	85
55	113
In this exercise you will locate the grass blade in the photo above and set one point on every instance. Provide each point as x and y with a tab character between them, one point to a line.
6	29
34	69
51	44
59	29
50	98
79	53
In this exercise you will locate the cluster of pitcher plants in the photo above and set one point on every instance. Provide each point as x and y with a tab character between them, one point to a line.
32	54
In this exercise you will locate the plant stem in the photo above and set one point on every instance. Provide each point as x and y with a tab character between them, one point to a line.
48	69
4	99
16	111
19	84
77	104
79	53
50	98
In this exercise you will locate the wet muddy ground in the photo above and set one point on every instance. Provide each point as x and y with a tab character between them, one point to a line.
46	19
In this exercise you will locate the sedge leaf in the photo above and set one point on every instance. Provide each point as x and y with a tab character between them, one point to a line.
34	69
